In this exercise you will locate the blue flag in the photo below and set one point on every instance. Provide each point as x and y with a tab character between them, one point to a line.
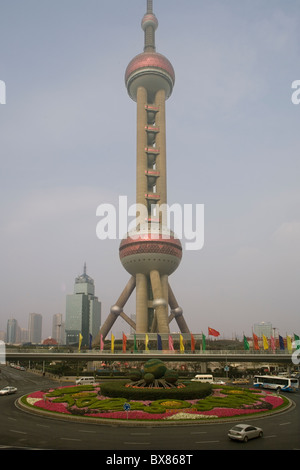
281	342
159	343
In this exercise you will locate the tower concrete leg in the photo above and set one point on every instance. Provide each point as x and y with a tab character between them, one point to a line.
159	303
141	303
176	312
115	310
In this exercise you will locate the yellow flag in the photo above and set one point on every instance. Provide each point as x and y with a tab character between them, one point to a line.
80	341
112	343
181	344
265	342
146	343
289	343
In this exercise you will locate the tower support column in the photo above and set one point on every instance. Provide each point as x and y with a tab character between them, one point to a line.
159	302
160	102
141	303
141	144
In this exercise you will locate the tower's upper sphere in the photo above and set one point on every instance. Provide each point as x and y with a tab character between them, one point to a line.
149	70
152	71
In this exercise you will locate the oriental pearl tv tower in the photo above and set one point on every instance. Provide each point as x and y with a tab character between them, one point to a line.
151	252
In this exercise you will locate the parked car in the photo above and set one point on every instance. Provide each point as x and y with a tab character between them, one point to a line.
243	432
240	381
8	390
220	382
85	381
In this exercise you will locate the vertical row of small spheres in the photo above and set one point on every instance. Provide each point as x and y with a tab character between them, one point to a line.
151	252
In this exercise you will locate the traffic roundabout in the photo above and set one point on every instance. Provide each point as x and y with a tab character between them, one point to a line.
150	399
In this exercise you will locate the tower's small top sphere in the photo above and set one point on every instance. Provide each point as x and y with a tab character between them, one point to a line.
149	19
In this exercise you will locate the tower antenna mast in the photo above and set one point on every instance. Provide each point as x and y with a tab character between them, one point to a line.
151	252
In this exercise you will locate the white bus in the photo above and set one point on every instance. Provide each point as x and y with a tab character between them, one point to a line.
273	382
204	378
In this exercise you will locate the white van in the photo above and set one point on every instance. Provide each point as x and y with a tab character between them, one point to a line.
204	378
85	380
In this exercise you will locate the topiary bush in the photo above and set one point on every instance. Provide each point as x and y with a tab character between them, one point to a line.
155	367
188	392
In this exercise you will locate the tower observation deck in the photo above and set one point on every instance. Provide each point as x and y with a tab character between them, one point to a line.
151	252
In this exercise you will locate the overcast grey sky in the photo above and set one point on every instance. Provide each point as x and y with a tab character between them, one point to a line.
68	144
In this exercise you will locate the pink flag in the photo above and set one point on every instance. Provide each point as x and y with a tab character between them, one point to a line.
101	343
171	347
273	343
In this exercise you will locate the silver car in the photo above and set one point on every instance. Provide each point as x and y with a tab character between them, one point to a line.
8	390
243	432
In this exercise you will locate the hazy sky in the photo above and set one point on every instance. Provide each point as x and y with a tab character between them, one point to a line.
68	136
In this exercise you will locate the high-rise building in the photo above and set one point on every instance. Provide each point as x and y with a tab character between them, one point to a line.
83	311
35	328
12	331
263	328
151	252
58	328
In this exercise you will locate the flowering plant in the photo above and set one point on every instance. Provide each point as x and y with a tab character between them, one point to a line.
223	402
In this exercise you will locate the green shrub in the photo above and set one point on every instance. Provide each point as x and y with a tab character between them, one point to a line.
71	390
65	399
171	376
149	378
155	367
191	391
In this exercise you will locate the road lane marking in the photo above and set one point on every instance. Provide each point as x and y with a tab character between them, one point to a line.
69	439
19	432
137	443
206	442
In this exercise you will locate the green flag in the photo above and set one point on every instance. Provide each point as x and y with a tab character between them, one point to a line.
203	342
246	344
134	344
296	338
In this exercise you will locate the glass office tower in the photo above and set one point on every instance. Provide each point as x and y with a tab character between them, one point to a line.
83	312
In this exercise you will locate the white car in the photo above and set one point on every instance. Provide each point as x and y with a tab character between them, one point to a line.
243	432
8	390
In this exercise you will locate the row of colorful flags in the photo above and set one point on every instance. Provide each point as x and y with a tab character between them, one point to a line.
267	343
211	332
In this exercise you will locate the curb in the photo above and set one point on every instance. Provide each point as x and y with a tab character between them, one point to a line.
133	423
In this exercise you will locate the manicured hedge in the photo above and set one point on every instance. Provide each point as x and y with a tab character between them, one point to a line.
188	392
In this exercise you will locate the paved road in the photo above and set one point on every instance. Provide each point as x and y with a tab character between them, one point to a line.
19	429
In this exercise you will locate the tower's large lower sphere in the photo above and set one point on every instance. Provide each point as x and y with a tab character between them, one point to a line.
152	71
143	251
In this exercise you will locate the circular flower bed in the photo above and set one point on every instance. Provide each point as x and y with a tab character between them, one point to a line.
223	402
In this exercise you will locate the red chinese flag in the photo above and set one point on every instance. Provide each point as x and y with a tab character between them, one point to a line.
124	342
255	341
213	332
192	343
